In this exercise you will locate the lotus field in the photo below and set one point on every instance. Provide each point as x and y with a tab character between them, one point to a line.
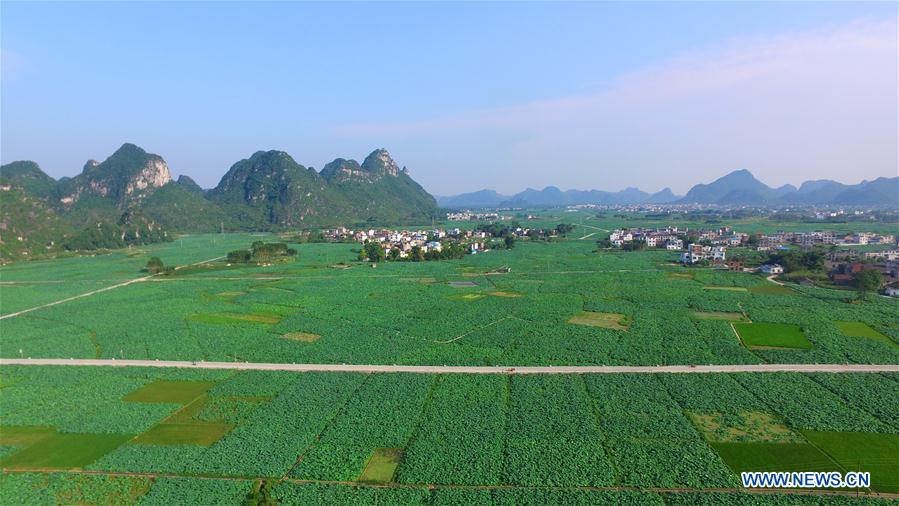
563	302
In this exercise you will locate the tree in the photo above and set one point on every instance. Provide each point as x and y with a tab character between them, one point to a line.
416	254
239	256
509	241
564	228
394	254
374	251
154	265
260	495
867	280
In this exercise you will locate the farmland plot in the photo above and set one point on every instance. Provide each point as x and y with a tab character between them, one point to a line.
381	414
552	436
460	435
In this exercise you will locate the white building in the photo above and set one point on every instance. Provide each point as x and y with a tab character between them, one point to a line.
697	253
772	269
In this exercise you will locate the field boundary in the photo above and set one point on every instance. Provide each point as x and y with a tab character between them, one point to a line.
434	369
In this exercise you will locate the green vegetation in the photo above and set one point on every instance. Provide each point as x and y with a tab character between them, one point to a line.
860	329
463	432
210	312
382	465
772	289
612	321
65	488
854	451
184	434
774	457
440	438
772	335
175	392
262	252
727	288
64	451
718	315
743	427
867	280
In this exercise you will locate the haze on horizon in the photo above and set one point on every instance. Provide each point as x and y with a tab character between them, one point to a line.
468	96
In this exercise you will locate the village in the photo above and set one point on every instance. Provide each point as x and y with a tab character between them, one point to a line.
408	243
709	247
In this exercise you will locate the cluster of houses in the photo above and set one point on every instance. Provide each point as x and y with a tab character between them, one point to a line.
674	238
405	240
819	237
843	272
668	238
470	216
697	253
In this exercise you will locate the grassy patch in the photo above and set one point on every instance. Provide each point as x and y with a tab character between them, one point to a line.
614	321
228	295
511	295
228	318
197	434
462	284
718	315
189	412
726	288
382	465
772	289
303	337
24	436
863	451
424	281
64	451
745	427
773	457
681	275
859	329
772	335
175	392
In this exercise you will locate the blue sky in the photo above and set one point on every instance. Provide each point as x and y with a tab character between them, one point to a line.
467	95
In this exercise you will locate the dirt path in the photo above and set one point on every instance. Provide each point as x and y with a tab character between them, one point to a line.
594	228
99	290
444	369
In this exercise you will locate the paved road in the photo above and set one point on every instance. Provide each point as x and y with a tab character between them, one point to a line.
436	369
92	292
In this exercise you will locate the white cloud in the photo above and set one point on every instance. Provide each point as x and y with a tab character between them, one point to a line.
789	107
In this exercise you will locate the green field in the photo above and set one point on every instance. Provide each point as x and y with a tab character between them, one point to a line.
444	435
774	457
718	315
854	451
64	451
184	434
379	316
860	329
175	392
772	335
382	465
772	289
400	438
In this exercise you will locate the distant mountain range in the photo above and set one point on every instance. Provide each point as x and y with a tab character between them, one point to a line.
131	198
739	187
